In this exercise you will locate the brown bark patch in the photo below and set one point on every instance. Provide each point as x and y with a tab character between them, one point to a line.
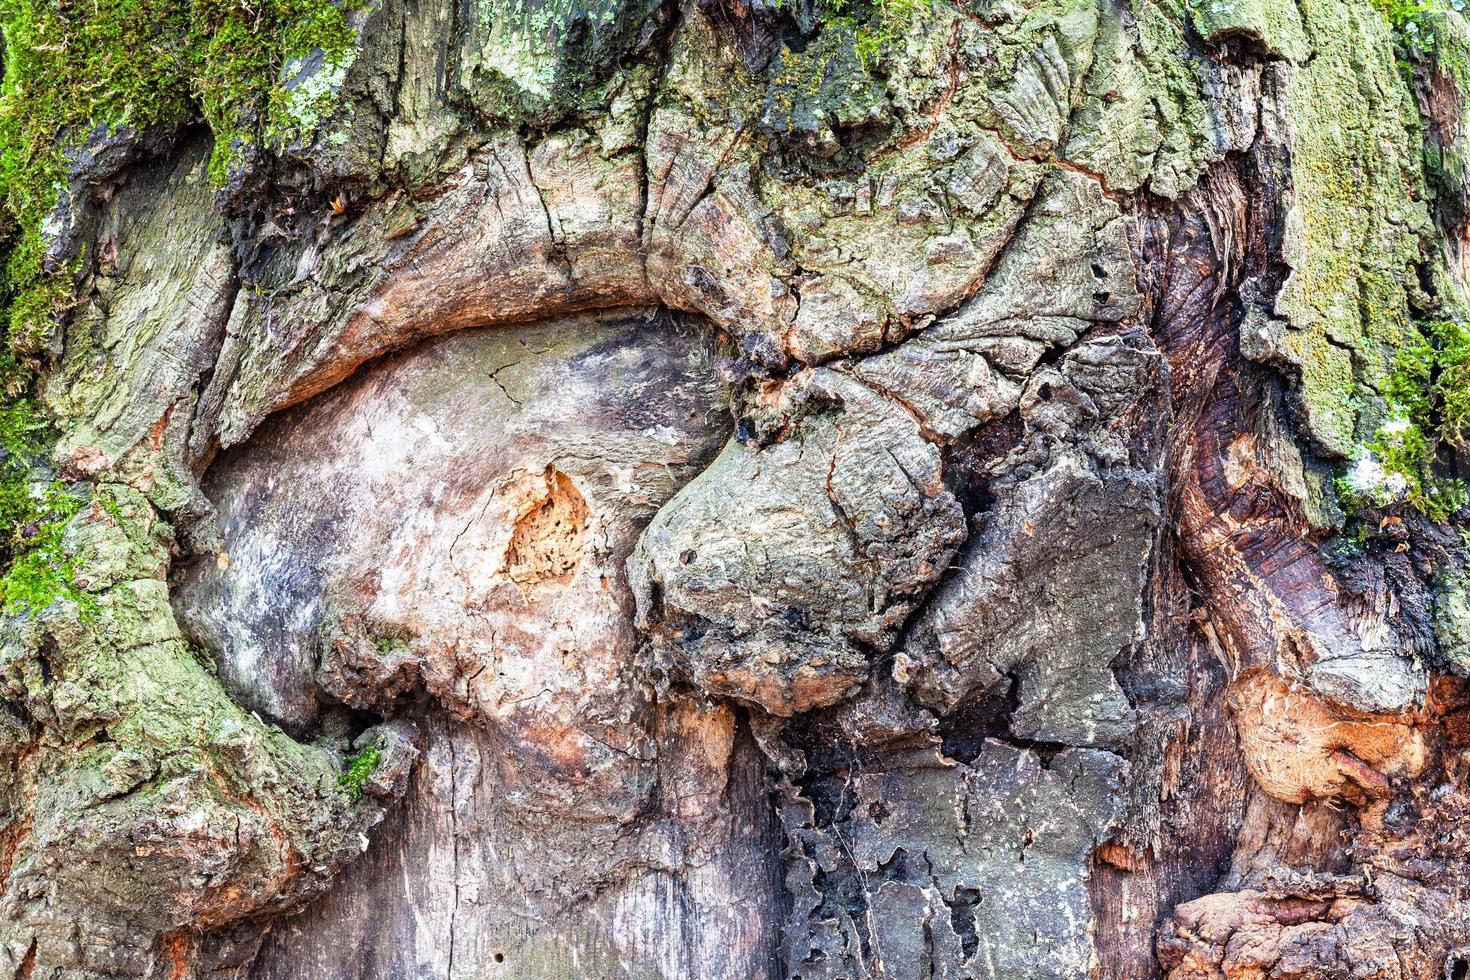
1299	747
1122	856
178	951
550	535
1248	936
1442	103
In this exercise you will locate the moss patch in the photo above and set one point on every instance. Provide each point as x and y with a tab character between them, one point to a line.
359	770
1428	395
1413	20
1356	228
76	72
74	66
877	27
34	512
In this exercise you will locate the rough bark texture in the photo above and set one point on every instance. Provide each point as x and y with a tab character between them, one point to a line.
760	494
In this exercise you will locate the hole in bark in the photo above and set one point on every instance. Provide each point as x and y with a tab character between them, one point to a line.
962	919
1044	393
499	957
844	893
988	716
1099	271
1458	968
832	800
548	539
966	462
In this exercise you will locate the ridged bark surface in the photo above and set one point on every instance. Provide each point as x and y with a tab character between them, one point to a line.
760	489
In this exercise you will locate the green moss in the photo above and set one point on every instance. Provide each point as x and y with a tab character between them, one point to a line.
877	27
34	512
1430	383
1428	395
827	84
1407	457
359	770
72	66
78	69
1450	398
1413	20
42	572
1359	225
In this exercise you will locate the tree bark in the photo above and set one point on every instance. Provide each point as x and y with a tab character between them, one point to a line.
737	489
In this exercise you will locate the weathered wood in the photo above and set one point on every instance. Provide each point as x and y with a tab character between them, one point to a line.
723	489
